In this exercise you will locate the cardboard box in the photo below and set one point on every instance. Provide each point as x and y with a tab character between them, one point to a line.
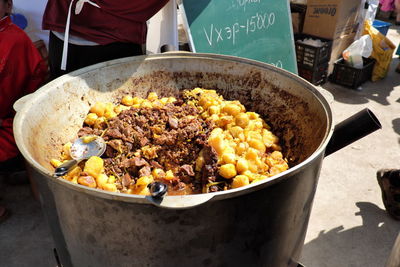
298	15
338	46
331	19
296	23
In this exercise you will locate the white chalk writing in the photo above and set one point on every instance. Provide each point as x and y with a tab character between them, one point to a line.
259	21
278	64
244	3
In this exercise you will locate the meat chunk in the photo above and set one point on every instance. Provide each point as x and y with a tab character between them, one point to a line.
145	171
133	162
187	169
126	180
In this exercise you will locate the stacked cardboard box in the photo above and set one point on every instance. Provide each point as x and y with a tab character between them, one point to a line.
337	20
298	14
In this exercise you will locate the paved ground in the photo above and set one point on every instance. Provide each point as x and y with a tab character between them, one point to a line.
348	225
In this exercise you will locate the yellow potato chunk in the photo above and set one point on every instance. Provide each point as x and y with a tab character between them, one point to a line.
252	115
269	138
216	132
66	151
75	172
171	99
164	100
227	171
228	158
144	180
111	179
274	171
250	175
98	108
140	187
253	166
137	100
75	180
199	163
214	110
257	144
228	149
144	191
224	121
169	175
152	96
205	102
119	108
110	187
127	100
157	104
241	148
252	153
239	181
253	135
55	163
91	119
217	142
277	155
242	120
231	109
242	165
87	181
110	114
89	138
94	166
109	107
255	125
102	180
263	167
146	104
236	131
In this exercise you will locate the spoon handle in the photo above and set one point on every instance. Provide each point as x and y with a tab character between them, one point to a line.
64	168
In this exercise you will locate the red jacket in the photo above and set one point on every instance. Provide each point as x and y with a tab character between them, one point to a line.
115	21
22	71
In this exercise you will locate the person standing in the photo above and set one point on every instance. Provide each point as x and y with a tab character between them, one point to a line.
85	32
22	71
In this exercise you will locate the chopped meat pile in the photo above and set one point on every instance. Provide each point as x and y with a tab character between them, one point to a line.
171	137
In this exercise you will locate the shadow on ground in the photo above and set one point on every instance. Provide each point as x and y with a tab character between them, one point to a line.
335	245
367	93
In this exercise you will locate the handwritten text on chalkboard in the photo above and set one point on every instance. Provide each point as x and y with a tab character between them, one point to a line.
244	3
254	23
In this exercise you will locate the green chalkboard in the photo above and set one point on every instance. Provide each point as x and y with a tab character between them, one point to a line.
254	29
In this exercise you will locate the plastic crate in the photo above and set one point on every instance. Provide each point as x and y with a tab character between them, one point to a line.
381	26
309	56
315	76
349	76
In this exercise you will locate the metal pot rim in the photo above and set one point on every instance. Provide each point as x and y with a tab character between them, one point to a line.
174	202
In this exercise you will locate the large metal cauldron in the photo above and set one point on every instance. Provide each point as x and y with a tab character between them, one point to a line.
258	225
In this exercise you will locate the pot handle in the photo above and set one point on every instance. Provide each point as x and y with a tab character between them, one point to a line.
21	102
352	129
180	202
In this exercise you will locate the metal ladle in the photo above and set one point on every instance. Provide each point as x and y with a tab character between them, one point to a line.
80	150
